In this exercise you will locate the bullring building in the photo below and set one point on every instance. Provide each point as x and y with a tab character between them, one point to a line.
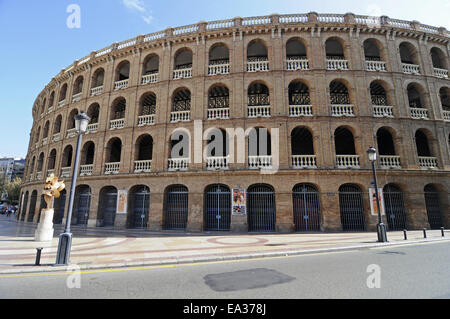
306	94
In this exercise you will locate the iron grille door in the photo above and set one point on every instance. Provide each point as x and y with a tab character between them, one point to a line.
84	202
306	208
218	208
351	206
141	205
109	208
32	208
433	208
261	209
60	203
395	208
176	213
24	209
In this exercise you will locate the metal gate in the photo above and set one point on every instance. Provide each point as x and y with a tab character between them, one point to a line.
217	208
32	208
60	203
109	207
141	203
305	199
83	206
433	206
352	209
395	208
176	212
261	208
24	208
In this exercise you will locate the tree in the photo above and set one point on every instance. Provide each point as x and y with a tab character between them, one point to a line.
13	189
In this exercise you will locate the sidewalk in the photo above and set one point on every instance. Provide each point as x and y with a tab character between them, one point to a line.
94	248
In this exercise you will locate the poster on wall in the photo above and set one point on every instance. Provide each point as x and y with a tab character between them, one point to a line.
373	201
121	201
238	207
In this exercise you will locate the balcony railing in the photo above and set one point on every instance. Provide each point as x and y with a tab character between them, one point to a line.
149	78
440	73
382	111
258	111
300	110
120	85
217	162
44	141
337	64
61	103
180	116
419	113
216	69
56	137
219	113
92	128
446	115
178	164
50	109
65	172
297	64
258	66
342	110
410	68
428	162
76	97
112	168
116	124
374	66
97	91
304	161
71	132
347	161
260	161
39	176
86	170
50	172
182	73
144	120
390	161
143	166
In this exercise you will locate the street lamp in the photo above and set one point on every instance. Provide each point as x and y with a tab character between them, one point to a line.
381	228
65	239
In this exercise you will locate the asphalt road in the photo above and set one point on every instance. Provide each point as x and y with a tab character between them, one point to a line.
409	271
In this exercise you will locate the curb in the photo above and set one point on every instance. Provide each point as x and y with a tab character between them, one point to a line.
206	259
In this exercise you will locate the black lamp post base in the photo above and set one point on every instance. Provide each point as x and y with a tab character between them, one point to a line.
64	246
381	231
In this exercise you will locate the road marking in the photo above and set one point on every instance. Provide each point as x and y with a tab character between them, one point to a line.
412	244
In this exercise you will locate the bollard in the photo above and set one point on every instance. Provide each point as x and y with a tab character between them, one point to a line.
424	233
38	256
442	231
404	234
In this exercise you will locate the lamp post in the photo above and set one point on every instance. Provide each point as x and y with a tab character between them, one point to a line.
65	239
381	227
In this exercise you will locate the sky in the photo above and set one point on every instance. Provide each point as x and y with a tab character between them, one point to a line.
36	42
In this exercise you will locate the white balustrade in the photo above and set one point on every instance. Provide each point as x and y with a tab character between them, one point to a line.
45	141
50	172
180	116
71	132
97	91
216	69
65	172
92	128
331	18
221	24
446	115
143	166
336	64
258	66
126	44
182	73
149	78
56	137
347	161
258	111
217	162
297	64
144	120
390	161
219	113
256	20
440	73
50	109
382	111
304	161
116	124
178	164
185	29
374	66
260	161
112	168
86	170
293	18
76	97
119	85
61	103
300	110
419	113
38	176
342	110
428	162
410	68
36	145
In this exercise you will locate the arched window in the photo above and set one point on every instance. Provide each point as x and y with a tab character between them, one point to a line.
334	49
51	100
87	153
46	129
63	93
93	113
299	93
408	53
295	50
439	61
40	162
218	97
445	99
51	160
181	100
339	94
123	71
218	54
423	147
256	51
385	142
98	78
78	85
114	150
144	148
57	125
151	65
71	119
67	156
414	96
258	95
147	104
372	50
378	94
344	142
183	59
118	109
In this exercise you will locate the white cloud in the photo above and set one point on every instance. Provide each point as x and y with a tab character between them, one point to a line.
139	5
